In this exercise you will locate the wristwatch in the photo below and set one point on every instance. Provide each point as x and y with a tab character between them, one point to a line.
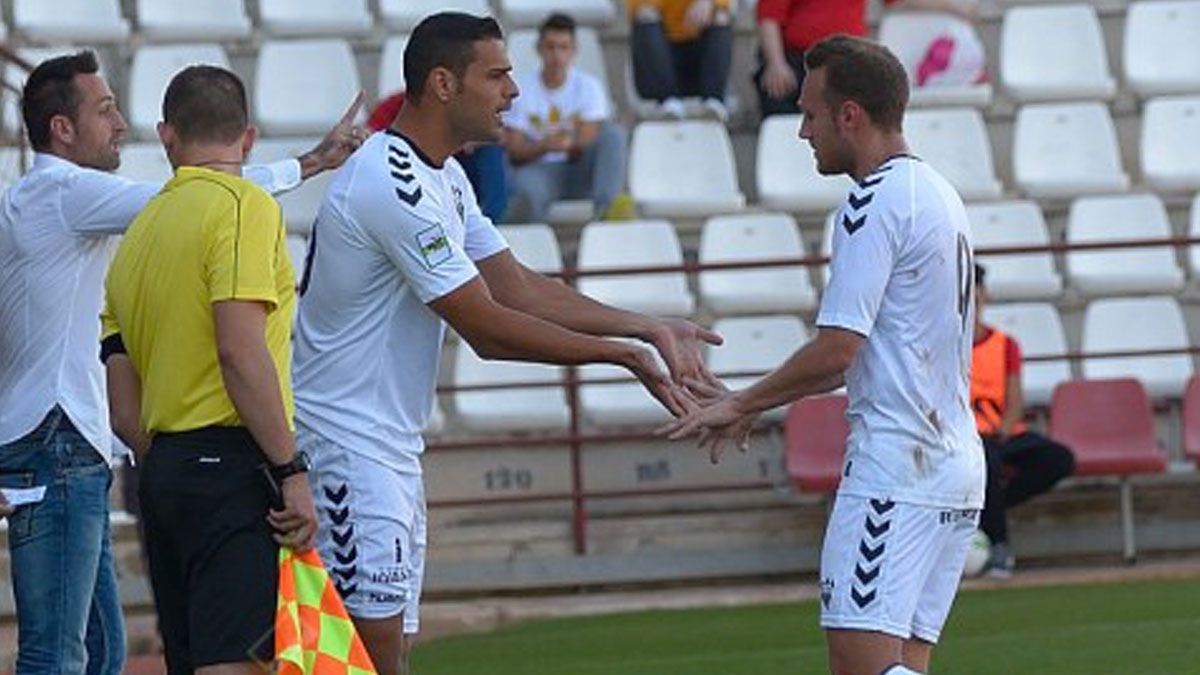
298	464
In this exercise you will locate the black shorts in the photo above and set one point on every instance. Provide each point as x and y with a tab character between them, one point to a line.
214	566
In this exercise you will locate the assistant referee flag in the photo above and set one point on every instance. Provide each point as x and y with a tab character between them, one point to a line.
313	633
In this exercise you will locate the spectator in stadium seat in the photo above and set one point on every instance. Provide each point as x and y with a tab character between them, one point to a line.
787	28
682	48
54	416
1021	464
484	162
559	135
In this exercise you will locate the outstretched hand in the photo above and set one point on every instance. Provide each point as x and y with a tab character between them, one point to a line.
681	345
717	419
672	396
338	144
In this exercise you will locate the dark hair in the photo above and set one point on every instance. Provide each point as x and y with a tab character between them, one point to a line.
980	274
865	72
50	90
444	40
206	103
557	22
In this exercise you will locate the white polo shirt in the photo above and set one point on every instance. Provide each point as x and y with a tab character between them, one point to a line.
395	232
55	247
902	276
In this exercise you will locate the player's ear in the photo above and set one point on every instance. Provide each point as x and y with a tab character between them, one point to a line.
248	139
442	83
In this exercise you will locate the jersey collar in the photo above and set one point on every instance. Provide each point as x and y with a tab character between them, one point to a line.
415	148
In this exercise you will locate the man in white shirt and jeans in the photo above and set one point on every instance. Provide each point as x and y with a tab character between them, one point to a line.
54	419
559	137
896	327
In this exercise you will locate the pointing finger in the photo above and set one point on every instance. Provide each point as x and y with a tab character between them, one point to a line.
352	112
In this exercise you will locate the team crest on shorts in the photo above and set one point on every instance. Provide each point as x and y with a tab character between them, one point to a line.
434	245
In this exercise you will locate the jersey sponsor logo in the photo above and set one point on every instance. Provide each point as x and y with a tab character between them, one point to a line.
434	245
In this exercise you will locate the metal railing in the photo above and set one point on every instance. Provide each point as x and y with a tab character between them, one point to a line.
575	438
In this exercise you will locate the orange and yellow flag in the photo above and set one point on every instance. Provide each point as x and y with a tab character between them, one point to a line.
313	633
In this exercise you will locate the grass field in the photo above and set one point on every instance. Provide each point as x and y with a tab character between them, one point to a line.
1148	628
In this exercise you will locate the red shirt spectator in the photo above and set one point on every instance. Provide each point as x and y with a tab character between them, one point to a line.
807	22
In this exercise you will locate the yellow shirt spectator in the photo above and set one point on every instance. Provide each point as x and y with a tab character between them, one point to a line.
673	13
205	238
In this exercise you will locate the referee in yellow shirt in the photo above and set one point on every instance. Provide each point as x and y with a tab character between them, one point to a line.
198	315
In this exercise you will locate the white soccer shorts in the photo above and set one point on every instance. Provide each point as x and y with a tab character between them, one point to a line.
892	567
371	530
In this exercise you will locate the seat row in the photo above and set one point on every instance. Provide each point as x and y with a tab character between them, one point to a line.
1107	423
179	20
756	344
1059	151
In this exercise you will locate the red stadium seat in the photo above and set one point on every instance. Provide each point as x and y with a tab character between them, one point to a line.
816	430
1191	419
1109	425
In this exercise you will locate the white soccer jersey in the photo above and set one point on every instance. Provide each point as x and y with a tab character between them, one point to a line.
902	276
394	233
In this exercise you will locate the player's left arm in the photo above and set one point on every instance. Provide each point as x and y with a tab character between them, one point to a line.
338	144
515	286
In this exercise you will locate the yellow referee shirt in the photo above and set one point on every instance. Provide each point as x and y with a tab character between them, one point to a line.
207	237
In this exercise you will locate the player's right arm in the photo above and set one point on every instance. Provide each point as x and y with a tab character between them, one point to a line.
497	332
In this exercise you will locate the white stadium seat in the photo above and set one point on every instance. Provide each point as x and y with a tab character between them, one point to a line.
1170	127
1121	324
152	69
755	344
191	20
1066	150
391	66
589	54
1024	276
787	171
517	409
1194	232
297	246
955	142
1116	271
288	75
404	15
1054	53
1039	330
300	205
530	13
908	35
1160	47
619	404
534	246
623	245
58	21
683	169
146	162
314	17
754	291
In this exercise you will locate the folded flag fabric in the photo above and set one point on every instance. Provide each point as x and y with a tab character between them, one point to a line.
313	633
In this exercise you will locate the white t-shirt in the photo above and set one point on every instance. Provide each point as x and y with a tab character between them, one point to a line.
539	111
394	233
902	276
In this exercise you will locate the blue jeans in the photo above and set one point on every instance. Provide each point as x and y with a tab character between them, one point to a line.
598	174
64	582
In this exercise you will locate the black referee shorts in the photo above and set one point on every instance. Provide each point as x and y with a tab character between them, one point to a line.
213	563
